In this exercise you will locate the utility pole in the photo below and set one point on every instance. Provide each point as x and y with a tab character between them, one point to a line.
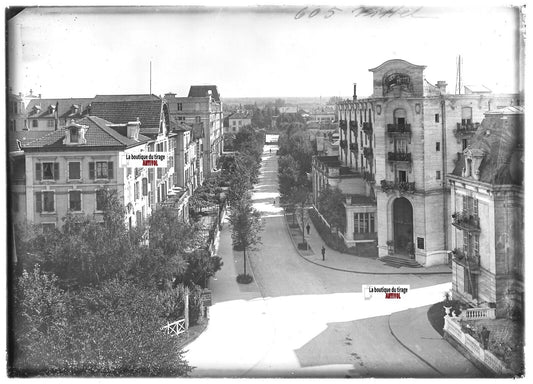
459	76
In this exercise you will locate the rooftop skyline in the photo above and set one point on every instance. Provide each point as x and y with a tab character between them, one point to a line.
255	51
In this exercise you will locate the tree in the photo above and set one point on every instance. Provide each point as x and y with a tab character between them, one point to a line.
246	225
200	267
331	206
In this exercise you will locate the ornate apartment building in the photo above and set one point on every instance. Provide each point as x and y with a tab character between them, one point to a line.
396	148
201	109
487	214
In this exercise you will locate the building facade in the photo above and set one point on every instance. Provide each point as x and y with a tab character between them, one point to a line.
202	108
66	170
396	147
54	114
487	205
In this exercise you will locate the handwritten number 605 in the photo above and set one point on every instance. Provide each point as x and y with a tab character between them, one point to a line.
314	12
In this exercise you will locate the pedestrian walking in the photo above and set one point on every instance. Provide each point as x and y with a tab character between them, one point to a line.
308	227
270	150
323	253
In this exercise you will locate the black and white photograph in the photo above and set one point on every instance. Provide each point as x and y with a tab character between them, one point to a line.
265	190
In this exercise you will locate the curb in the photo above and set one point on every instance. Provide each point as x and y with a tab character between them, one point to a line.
353	271
410	350
189	341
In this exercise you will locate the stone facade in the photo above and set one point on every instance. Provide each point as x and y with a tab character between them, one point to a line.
400	143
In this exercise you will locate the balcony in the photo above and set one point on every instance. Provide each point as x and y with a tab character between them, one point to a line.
466	129
466	221
400	186
399	157
342	125
367	127
343	144
467	260
368	153
353	147
353	127
330	166
399	129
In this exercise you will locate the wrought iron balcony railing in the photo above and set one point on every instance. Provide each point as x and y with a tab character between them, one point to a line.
354	147
466	221
467	259
398	129
343	144
353	127
367	152
401	186
399	156
342	124
467	129
368	176
367	127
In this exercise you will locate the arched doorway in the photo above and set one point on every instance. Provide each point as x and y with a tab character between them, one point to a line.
403	225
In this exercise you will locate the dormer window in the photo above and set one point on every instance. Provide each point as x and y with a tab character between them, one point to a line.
75	134
473	158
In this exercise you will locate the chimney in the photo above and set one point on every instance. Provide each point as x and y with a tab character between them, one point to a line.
354	91
441	85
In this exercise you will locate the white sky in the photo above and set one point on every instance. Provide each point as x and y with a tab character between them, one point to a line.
80	52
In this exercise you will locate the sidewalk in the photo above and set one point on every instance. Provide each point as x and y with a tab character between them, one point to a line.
357	264
412	329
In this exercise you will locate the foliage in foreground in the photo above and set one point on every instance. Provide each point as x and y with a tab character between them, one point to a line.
110	331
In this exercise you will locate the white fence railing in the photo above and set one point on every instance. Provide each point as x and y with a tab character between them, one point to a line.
479	313
453	328
176	328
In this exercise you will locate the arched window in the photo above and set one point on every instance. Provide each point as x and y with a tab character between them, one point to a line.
400	117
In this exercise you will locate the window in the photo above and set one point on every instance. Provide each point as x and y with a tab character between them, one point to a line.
470	283
465	144
74	170
420	242
101	170
234	122
145	186
159	173
35	123
198	119
100	200
138	218
364	223
50	123
74	199
476	245
437	146
466	243
180	107
402	176
74	138
136	191
47	171
437	117
466	115
45	201
400	145
437	175
400	116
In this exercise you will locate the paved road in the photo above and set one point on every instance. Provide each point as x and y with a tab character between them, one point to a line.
298	319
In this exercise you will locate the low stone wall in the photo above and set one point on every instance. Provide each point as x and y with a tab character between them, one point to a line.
473	349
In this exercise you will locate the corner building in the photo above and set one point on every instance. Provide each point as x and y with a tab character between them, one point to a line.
396	148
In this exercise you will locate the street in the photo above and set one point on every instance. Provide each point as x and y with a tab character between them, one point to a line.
298	319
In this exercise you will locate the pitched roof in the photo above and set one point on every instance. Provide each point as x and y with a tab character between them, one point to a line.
500	138
45	108
99	134
23	137
121	109
203	91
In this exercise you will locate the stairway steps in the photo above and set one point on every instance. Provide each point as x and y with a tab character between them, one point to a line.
398	262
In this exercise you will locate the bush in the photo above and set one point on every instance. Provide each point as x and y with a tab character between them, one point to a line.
244	279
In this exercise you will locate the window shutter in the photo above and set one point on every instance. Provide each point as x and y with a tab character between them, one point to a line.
38	202
109	169
56	171
38	171
91	170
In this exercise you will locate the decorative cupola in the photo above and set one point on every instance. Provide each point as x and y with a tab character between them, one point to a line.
473	158
133	128
75	134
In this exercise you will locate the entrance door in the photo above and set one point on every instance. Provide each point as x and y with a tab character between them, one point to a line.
403	224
